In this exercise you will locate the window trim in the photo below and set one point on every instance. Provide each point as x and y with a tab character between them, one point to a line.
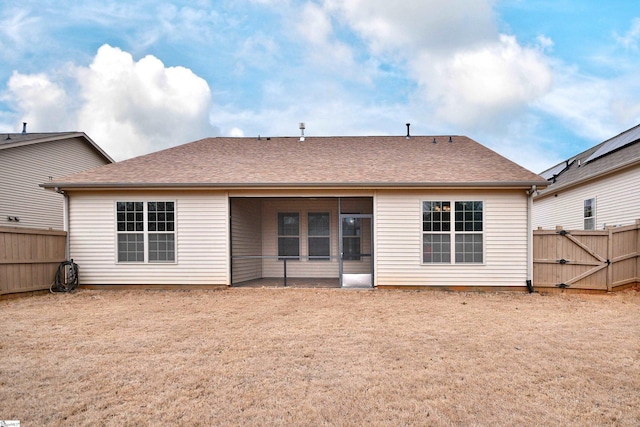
452	233
145	231
593	213
279	236
317	236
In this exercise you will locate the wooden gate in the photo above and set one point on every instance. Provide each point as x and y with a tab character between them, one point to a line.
578	259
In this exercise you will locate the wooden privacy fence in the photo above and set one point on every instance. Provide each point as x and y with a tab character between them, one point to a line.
590	260
29	258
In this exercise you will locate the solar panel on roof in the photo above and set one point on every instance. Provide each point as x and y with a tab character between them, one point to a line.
622	140
557	169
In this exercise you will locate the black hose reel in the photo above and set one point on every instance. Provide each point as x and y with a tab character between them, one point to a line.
67	279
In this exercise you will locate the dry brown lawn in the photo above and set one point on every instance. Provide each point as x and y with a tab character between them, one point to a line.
320	357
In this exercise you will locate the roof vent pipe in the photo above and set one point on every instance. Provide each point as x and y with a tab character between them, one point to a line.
450	140
24	127
302	126
408	134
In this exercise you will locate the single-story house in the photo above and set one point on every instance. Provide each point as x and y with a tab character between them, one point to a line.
27	160
594	189
385	211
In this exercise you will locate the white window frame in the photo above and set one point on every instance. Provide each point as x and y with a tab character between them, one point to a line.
289	236
586	218
145	232
452	233
311	236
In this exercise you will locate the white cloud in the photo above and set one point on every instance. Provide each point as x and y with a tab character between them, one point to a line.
43	103
418	24
128	107
594	108
137	107
470	88
325	51
469	75
632	37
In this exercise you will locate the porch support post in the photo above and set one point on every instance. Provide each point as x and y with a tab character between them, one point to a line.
285	271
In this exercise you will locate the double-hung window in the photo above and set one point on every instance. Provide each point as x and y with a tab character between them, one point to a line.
288	235
318	233
590	214
146	231
466	232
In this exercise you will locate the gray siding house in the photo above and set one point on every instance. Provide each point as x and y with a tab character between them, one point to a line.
594	189
385	211
29	159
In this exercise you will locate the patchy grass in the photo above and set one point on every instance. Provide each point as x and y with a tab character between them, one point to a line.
320	357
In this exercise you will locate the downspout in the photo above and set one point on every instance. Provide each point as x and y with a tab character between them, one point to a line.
530	195
65	220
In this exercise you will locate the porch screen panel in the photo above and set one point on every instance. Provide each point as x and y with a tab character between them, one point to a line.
351	242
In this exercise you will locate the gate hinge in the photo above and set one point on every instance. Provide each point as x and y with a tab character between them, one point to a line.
562	261
563	232
562	285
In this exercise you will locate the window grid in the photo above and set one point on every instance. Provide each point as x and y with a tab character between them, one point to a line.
131	247
157	233
467	232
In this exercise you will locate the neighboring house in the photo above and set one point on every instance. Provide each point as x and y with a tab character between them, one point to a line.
594	189
383	211
29	159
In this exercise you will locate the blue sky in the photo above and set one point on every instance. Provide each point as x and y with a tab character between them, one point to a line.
537	81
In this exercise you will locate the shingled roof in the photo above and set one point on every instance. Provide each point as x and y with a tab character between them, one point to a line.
12	140
380	161
617	153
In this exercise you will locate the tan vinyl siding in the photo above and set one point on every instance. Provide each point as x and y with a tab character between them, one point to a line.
617	203
202	237
398	240
302	268
23	168
246	236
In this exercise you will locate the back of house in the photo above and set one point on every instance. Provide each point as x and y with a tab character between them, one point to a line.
385	211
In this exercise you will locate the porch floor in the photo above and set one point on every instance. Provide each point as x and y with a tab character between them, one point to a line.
292	282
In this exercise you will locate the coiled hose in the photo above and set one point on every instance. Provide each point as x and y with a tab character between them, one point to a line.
67	279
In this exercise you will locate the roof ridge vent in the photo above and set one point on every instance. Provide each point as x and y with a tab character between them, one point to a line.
302	127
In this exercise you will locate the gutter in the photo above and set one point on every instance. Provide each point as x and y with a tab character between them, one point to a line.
65	219
530	195
297	185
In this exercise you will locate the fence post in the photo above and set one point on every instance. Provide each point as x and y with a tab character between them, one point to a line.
609	258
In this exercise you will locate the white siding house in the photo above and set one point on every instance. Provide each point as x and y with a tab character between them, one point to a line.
594	189
361	211
29	159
